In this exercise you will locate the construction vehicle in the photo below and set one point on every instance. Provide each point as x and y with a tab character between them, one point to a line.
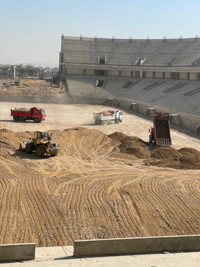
42	144
108	117
22	114
160	132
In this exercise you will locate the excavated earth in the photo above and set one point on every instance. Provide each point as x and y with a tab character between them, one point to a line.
99	186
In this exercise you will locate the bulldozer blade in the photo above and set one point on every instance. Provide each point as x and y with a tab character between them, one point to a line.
22	146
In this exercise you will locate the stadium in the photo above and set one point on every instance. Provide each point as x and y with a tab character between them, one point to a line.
142	75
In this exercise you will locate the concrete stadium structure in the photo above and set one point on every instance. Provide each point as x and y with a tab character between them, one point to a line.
142	75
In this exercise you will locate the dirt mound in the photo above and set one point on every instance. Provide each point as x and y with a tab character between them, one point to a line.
117	136
134	146
3	130
131	147
167	152
187	151
190	158
184	158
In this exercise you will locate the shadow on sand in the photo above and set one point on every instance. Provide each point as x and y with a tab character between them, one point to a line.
24	155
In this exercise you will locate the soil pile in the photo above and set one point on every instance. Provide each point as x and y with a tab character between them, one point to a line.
190	158
164	152
185	158
161	156
134	146
131	146
117	136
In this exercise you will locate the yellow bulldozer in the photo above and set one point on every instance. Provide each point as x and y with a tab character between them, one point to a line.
42	144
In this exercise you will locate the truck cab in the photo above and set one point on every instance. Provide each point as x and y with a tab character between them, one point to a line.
38	114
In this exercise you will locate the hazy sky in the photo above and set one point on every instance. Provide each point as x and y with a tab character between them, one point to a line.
30	30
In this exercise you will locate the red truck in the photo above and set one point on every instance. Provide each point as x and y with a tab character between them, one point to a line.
160	132
22	114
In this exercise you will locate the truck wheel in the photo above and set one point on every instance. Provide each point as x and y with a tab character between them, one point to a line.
21	119
40	151
15	118
29	148
36	120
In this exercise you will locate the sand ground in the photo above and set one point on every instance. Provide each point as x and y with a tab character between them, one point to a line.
66	116
86	192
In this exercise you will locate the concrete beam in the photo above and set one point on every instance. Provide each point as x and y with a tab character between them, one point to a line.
138	245
134	107
150	112
15	252
175	119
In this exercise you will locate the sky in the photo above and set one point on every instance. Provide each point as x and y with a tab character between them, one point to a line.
30	30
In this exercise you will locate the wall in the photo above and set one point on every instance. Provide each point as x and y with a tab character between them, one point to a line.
183	75
159	75
138	245
185	120
189	121
61	99
113	72
193	76
89	72
125	73
75	71
16	252
167	75
137	74
149	74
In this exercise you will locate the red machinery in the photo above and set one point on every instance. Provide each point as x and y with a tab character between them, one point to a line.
22	114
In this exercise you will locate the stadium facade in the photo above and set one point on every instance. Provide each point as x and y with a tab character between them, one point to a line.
158	73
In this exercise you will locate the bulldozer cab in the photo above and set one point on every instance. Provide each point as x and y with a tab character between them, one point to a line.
42	135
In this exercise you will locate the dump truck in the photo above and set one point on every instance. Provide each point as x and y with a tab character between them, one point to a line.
108	117
36	114
160	132
42	144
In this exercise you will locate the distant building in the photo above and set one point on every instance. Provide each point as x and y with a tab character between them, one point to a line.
6	71
27	71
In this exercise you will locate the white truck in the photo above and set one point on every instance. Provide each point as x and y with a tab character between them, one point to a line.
108	117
